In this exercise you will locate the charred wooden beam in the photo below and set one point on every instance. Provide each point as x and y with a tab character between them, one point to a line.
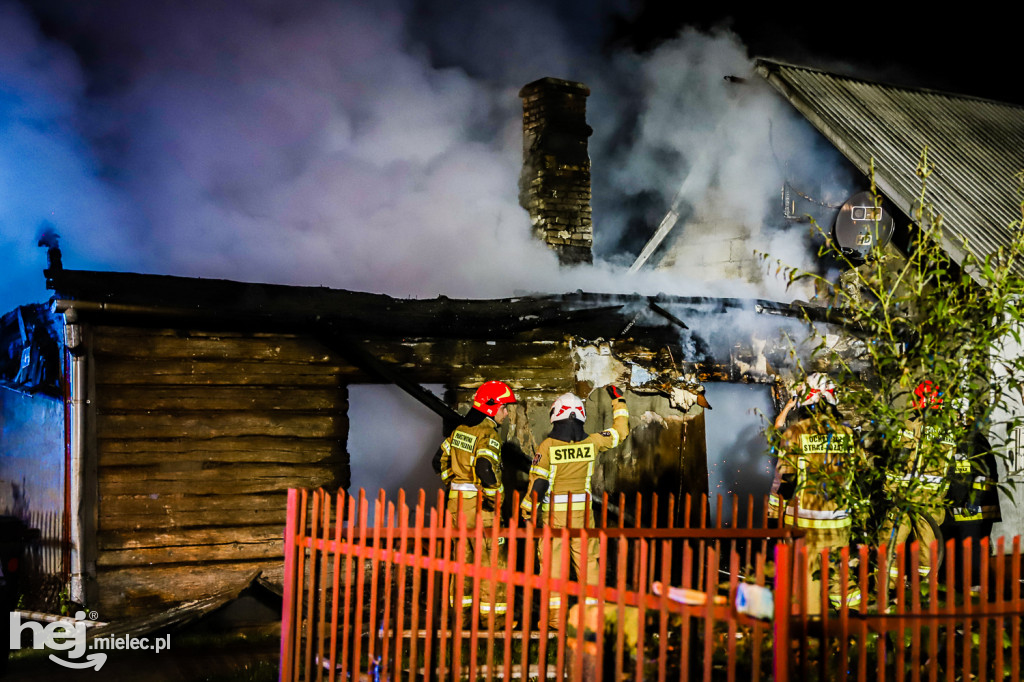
666	314
356	353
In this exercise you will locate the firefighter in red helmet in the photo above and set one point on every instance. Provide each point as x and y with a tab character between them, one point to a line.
469	462
560	483
918	482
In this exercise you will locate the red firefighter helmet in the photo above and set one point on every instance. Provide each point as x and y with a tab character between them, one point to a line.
927	395
567	405
491	396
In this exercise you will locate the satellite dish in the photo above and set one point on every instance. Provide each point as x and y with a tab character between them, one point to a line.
862	226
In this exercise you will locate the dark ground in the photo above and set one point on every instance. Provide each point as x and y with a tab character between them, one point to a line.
240	642
192	657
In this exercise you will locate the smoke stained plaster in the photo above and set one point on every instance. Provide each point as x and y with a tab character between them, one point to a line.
712	248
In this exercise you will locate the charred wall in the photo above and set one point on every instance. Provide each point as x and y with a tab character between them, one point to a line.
664	454
195	432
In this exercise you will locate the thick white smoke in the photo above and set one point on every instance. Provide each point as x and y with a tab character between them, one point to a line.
325	143
365	146
712	138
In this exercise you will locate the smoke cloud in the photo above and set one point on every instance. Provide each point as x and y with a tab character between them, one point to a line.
699	131
357	146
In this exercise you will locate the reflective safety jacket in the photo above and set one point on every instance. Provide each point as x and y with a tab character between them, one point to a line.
973	478
460	452
922	478
820	459
569	467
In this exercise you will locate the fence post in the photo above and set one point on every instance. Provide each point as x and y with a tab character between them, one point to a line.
783	588
288	601
1015	581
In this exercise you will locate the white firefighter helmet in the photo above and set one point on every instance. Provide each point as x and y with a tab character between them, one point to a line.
567	404
815	387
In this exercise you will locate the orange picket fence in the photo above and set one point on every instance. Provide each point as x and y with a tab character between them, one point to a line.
370	586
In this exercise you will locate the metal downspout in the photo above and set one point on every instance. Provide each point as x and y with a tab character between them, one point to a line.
76	405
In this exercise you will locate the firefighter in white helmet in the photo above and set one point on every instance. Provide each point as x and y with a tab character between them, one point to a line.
815	459
469	462
560	483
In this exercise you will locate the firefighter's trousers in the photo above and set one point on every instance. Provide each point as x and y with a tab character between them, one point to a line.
492	593
569	512
922	530
815	540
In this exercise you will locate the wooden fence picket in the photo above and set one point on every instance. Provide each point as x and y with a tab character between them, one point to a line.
372	595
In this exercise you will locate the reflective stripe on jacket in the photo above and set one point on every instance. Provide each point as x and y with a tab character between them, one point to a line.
975	468
817	454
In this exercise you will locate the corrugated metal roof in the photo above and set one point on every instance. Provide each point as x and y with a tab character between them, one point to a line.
976	145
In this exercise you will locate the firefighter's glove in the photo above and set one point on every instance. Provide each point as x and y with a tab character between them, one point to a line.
682	399
526	510
613	391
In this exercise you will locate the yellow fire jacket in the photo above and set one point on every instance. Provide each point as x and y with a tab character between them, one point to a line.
820	458
922	476
569	467
460	452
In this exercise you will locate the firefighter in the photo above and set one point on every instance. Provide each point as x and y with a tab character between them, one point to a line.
469	462
918	482
815	461
560	482
973	500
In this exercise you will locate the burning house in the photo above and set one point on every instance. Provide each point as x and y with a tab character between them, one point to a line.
178	411
194	404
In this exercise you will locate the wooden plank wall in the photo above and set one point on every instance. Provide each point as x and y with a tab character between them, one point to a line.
198	435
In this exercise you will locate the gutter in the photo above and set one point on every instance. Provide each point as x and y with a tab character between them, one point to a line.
71	309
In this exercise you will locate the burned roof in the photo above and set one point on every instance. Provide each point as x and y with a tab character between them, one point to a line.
274	306
283	307
726	342
977	147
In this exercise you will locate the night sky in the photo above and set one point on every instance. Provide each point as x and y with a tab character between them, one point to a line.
969	49
376	146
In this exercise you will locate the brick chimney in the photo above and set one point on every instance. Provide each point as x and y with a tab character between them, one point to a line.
554	185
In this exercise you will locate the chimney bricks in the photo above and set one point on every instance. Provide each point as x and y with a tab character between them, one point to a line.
554	186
